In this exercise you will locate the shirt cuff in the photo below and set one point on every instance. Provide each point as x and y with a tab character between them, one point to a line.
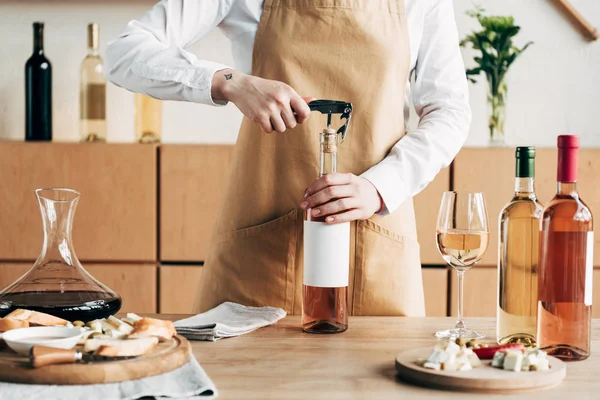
389	184
199	84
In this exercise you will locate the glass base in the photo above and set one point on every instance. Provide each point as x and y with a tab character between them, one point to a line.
497	142
459	333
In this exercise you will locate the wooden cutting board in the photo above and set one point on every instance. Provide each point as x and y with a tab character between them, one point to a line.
481	379
165	357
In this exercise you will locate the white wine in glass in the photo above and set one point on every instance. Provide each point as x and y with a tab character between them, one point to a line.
462	239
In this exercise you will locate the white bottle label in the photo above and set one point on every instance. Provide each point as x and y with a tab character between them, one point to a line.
589	269
326	254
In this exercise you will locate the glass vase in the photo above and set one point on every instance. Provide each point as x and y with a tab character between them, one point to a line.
497	113
57	284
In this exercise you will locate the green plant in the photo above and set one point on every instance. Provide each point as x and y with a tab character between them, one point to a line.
495	43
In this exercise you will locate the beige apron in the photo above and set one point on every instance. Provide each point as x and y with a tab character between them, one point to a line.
350	50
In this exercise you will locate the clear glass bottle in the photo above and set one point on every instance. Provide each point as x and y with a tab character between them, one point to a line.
518	256
57	284
148	119
565	277
326	260
92	92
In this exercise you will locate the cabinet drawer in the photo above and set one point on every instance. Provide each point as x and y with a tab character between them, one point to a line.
135	283
115	219
178	288
193	182
480	293
427	205
435	285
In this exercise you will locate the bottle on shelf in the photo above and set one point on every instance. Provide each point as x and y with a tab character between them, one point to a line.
566	264
148	119
518	256
92	92
38	90
326	260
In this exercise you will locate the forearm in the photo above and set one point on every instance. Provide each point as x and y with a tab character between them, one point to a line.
150	56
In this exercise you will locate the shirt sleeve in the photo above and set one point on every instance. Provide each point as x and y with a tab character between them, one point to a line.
150	55
441	99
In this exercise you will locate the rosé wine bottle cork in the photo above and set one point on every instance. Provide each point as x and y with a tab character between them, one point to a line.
568	152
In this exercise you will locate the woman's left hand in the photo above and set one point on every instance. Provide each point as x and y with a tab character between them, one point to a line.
342	198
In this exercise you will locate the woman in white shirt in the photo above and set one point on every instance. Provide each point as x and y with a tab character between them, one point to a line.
360	51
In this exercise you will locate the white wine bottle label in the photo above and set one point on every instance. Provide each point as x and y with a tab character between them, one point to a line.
326	254
589	269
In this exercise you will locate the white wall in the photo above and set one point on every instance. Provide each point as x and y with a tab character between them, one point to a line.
553	88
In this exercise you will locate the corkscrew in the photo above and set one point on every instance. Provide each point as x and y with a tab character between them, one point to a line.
330	107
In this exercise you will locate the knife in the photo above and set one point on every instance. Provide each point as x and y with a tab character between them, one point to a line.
41	356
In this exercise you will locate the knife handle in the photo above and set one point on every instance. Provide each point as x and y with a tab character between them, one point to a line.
41	356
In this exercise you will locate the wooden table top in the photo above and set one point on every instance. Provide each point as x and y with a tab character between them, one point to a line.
282	362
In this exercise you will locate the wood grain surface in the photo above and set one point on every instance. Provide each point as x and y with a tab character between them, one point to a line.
282	362
166	357
193	182
484	378
427	204
115	219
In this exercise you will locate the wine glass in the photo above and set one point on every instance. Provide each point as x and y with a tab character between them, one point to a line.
462	239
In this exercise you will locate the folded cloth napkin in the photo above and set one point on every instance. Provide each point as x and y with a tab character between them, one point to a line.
187	382
227	320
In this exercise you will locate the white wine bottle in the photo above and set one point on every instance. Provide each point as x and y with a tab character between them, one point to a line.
92	94
148	119
518	257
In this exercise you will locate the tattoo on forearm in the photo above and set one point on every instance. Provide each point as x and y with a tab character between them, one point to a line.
228	76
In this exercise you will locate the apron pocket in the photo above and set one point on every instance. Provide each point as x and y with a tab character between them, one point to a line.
388	279
255	265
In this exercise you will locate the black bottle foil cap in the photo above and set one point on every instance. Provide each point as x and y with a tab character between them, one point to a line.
525	162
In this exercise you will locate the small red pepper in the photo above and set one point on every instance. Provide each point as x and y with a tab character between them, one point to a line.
487	353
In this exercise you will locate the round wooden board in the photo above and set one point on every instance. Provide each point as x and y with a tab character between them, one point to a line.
165	357
480	379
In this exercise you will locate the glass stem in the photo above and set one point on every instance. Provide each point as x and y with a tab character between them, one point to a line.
460	323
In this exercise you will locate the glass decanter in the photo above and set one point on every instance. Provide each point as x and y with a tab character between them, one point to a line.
57	284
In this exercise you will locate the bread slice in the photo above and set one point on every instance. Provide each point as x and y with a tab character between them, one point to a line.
127	348
35	318
148	327
8	324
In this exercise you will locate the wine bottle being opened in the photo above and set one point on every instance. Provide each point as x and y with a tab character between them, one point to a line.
92	92
326	260
518	256
38	90
565	276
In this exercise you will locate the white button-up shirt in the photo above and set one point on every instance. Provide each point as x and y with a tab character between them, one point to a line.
150	57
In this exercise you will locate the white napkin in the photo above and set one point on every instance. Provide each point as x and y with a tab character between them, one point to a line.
187	382
227	320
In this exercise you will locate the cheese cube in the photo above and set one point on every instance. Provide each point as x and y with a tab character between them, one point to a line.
513	361
498	360
452	348
542	364
434	360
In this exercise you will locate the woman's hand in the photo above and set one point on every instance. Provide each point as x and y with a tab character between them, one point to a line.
273	105
342	198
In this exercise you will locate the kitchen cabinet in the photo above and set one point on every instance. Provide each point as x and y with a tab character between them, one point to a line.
135	283
427	204
492	171
178	288
480	293
435	285
115	219
193	182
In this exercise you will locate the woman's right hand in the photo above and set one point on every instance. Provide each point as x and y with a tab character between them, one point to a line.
273	105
